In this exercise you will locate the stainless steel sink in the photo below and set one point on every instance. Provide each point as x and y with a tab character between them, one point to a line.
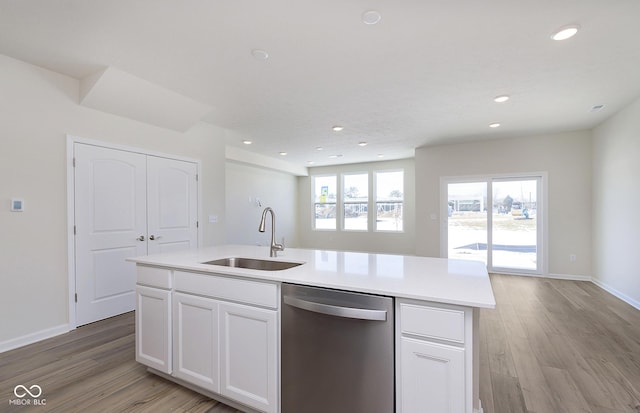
254	264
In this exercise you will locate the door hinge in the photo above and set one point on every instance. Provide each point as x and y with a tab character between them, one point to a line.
74	230
74	162
196	177
197	224
76	297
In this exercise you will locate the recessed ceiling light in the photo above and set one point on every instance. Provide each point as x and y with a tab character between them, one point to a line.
371	17
310	162
247	142
501	98
283	154
319	148
565	32
260	54
597	108
334	156
362	143
380	155
337	128
494	125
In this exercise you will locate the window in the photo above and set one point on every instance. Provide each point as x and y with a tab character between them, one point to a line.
355	198
345	205
389	200
324	201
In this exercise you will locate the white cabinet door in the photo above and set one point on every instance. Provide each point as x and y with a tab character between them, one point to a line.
196	351
153	328
172	201
249	355
126	204
432	377
111	225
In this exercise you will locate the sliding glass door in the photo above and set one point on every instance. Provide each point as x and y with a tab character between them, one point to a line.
495	220
467	220
514	239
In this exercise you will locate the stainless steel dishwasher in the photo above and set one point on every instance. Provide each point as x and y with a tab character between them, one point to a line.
337	351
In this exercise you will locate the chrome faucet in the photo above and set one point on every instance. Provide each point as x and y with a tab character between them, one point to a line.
274	247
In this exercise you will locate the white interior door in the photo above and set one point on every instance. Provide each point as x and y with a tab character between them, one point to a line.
111	225
172	204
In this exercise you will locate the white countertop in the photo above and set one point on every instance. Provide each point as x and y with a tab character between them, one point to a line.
439	280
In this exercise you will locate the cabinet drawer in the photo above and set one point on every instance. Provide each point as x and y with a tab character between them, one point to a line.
154	277
432	322
233	289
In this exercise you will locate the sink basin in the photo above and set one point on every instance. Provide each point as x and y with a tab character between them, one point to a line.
254	264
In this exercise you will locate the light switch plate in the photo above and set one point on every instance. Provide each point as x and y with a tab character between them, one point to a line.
17	205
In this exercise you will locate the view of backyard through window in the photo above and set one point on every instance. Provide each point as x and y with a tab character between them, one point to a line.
324	201
355	196
389	200
355	203
512	222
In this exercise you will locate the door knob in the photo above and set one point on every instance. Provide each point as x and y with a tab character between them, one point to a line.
153	237
140	238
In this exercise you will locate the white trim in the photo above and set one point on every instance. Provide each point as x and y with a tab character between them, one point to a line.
71	253
71	249
33	337
632	302
87	141
570	277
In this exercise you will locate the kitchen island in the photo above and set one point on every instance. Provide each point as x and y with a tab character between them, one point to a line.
216	329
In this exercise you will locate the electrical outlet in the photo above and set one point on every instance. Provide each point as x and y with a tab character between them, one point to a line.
572	258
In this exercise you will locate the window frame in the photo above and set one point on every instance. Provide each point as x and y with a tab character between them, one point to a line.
343	203
375	199
372	196
314	203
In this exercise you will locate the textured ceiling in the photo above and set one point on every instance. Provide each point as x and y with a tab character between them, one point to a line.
426	74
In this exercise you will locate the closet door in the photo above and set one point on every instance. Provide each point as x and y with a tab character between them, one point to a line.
111	225
126	204
172	205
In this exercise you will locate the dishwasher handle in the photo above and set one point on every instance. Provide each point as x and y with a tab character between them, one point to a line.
335	310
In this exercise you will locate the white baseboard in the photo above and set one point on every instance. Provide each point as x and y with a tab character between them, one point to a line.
614	292
33	337
570	277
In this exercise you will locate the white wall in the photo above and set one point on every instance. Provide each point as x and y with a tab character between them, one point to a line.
278	190
616	204
384	242
565	157
38	108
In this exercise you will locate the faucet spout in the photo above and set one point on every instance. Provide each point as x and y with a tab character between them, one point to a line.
273	252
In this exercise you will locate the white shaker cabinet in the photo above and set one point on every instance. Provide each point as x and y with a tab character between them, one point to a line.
435	358
196	348
153	328
433	377
217	333
249	355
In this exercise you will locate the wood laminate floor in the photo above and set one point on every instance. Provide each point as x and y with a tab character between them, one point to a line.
550	346
558	346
